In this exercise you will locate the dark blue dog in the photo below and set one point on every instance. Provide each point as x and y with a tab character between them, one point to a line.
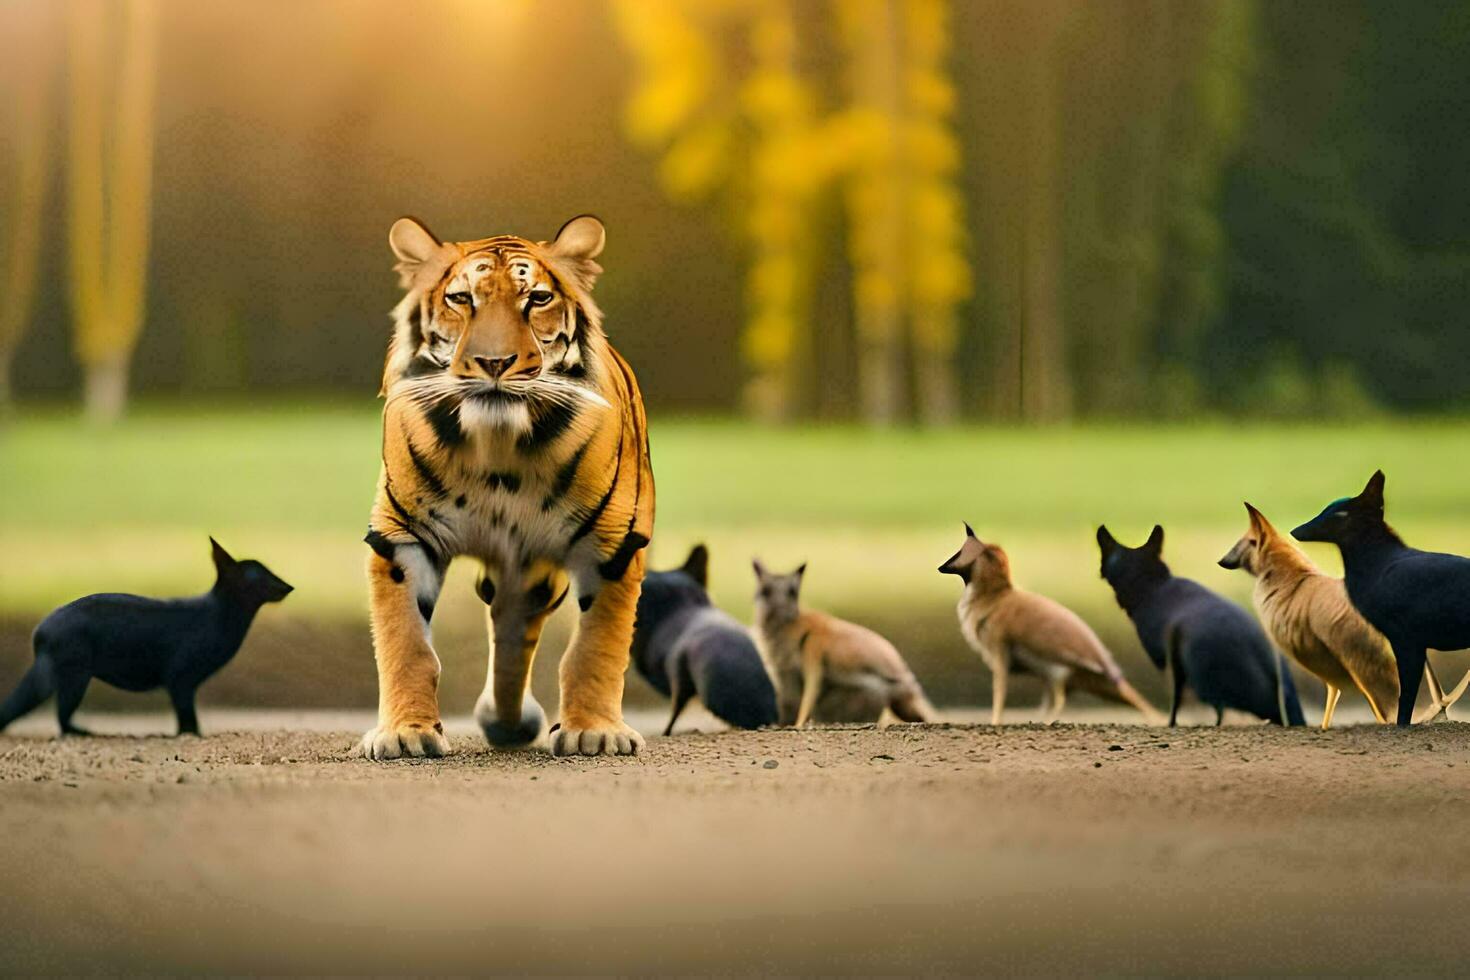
1420	600
684	647
139	644
1208	642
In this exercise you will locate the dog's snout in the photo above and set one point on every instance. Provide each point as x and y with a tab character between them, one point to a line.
494	367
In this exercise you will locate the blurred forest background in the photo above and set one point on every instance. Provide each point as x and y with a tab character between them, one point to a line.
854	209
906	231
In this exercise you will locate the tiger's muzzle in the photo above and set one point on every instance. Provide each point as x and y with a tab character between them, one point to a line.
498	346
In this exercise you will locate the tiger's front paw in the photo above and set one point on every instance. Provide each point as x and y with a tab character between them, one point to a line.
413	739
615	739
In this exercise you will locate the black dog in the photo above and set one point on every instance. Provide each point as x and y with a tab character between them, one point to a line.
1420	600
1209	642
139	644
684	646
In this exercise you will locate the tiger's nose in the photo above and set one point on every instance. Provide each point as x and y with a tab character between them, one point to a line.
494	367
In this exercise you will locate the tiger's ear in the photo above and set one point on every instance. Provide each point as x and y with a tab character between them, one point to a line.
581	238
576	246
414	245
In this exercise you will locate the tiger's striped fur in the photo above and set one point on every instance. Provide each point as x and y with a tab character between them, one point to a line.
513	434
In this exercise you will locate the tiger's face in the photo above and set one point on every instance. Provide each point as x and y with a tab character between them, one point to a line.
504	315
499	316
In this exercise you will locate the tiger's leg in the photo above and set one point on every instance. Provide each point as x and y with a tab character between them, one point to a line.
508	715
592	668
403	586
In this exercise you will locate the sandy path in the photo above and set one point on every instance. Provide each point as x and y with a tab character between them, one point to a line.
1097	848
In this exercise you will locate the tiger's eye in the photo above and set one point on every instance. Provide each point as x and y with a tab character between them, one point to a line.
458	299
541	297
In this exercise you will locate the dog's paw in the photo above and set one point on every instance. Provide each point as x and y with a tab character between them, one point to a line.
617	739
413	739
503	736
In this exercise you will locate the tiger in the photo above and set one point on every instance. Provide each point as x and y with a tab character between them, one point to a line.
515	435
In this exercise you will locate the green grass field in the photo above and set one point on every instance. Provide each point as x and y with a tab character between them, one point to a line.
873	513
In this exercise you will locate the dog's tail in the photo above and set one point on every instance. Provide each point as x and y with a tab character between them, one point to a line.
36	686
1127	692
911	705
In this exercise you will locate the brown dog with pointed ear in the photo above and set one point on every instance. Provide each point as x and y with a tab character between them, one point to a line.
1312	621
1010	627
826	669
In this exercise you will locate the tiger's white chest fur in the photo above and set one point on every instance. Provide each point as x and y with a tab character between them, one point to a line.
502	506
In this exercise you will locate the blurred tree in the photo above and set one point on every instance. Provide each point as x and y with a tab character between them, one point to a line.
749	124
28	49
1178	206
1347	212
1045	385
1155	102
722	93
876	189
1023	163
939	269
905	215
112	48
778	225
1210	65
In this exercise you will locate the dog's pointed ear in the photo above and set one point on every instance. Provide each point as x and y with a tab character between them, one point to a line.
222	558
696	566
800	571
1373	493
414	245
1105	540
760	570
970	531
1155	542
1262	525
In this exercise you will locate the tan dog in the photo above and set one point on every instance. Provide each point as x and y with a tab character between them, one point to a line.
827	669
1311	619
1007	625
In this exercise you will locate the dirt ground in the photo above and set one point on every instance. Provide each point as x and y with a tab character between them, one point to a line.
1098	848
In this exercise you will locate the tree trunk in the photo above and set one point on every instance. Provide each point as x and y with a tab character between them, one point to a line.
106	390
935	391
7	396
1046	394
875	208
28	32
937	271
110	147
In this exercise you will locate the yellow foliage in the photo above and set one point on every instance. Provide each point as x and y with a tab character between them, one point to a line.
110	174
677	66
767	341
697	160
761	138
